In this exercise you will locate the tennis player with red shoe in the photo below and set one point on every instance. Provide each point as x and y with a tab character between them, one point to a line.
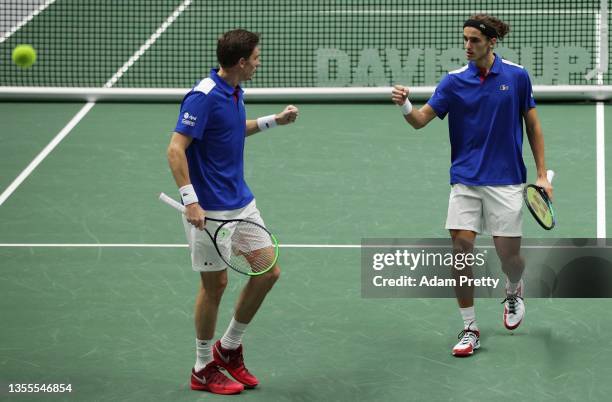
206	156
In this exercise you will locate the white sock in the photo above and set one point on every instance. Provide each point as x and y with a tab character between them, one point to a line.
512	288
203	353
469	318
233	336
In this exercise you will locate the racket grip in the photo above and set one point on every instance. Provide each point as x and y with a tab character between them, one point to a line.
172	202
549	175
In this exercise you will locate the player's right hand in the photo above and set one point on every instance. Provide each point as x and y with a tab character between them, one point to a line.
195	215
399	94
545	184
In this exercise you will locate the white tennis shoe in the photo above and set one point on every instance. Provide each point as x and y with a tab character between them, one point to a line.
514	307
469	341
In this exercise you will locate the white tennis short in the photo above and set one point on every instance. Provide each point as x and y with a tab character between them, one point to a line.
204	256
495	210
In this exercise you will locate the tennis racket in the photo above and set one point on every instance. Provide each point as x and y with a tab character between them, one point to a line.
244	246
539	204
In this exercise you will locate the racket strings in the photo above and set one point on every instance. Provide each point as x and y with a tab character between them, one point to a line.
539	206
252	248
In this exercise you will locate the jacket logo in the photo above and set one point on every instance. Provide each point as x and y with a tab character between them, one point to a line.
504	87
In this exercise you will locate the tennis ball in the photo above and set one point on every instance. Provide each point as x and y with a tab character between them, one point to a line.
24	56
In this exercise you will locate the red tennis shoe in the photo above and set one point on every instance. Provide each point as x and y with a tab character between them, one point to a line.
233	362
212	380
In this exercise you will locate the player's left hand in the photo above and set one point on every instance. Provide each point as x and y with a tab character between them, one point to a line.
287	116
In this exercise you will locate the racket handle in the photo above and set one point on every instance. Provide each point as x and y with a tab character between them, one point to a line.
172	202
549	175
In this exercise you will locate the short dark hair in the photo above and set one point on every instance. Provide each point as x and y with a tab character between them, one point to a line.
234	45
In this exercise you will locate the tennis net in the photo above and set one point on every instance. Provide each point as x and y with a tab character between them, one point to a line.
305	43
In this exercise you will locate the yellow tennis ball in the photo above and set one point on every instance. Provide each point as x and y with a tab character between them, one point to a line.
24	56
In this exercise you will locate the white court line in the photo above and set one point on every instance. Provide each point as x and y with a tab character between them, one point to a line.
27	19
601	47
601	171
144	245
446	12
91	245
43	154
323	246
177	12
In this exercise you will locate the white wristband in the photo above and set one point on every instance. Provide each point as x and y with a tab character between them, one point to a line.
266	122
188	194
406	107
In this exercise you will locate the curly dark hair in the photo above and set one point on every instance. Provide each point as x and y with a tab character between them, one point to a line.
500	26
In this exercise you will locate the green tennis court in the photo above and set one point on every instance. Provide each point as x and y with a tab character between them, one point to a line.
96	288
115	320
